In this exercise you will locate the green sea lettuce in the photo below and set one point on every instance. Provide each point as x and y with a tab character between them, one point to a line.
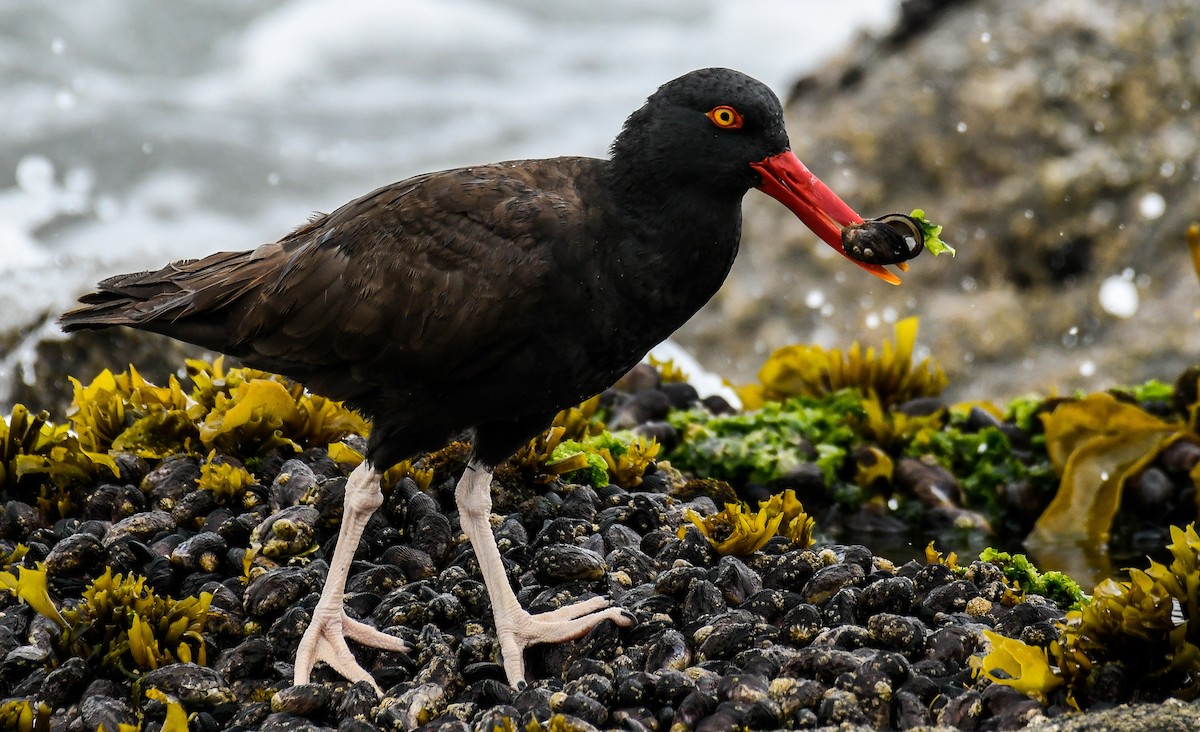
932	232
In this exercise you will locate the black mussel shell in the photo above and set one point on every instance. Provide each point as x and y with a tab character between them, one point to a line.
889	239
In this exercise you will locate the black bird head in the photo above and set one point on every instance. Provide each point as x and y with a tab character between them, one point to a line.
720	132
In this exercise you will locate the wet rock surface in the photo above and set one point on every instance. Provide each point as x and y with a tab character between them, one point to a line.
784	638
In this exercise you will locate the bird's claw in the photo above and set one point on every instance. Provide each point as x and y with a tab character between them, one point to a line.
325	640
522	629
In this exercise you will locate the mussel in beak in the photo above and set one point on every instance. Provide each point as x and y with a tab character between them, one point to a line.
889	239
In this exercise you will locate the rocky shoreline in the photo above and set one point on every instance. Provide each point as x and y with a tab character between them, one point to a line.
230	560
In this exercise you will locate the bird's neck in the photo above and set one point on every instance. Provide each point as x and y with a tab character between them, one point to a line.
676	221
677	246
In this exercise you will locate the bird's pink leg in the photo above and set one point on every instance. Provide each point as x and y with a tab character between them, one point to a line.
325	639
516	629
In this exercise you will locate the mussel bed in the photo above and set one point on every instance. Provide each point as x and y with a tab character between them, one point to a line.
787	637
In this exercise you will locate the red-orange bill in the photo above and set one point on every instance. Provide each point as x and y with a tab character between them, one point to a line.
788	181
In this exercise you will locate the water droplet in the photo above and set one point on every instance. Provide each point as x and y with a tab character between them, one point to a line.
1167	169
872	320
147	148
827	309
1029	213
1152	205
57	46
982	448
967	283
814	299
107	208
35	174
79	180
890	315
1087	368
1103	475
273	178
961	127
1119	297
985	37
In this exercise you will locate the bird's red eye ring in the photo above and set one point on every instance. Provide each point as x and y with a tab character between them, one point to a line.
725	117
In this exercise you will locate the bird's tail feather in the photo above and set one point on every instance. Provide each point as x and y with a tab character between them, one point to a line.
163	300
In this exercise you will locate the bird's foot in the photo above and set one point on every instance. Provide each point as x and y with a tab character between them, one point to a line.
325	640
520	629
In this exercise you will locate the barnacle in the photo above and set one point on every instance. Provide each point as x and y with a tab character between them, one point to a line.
24	715
131	629
739	531
810	370
1013	663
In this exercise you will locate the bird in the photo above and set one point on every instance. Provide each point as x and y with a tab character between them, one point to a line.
483	300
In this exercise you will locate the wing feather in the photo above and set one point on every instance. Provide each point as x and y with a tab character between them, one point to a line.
437	275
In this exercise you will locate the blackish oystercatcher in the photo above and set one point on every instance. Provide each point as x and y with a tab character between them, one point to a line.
486	299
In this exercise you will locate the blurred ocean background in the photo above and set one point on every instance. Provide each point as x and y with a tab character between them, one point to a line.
135	132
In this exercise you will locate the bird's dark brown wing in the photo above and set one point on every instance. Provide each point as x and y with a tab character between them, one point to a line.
431	276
